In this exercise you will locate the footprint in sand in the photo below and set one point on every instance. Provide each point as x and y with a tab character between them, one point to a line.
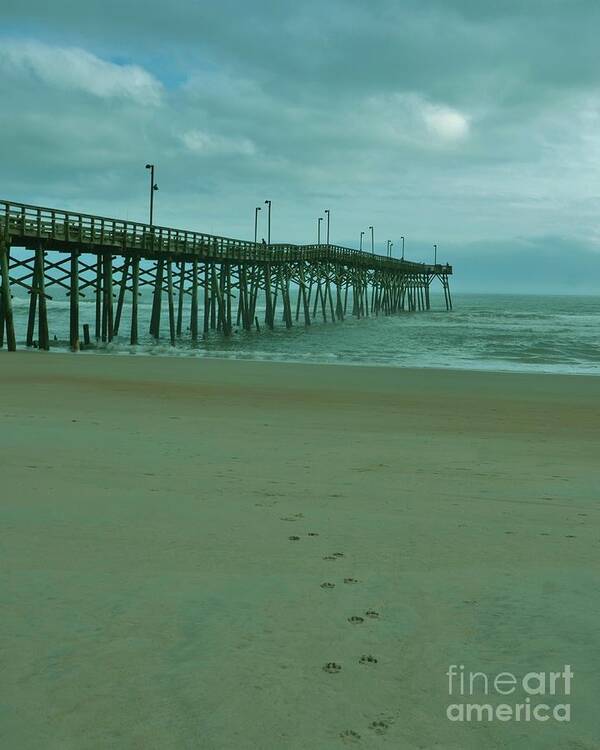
294	538
312	533
350	580
332	667
372	614
379	727
349	735
329	557
294	517
356	620
338	554
367	659
327	585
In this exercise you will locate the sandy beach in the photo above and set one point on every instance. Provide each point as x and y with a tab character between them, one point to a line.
168	525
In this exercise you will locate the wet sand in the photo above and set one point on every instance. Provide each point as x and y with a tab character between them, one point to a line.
168	525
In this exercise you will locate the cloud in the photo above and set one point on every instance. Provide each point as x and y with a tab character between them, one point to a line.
210	144
74	69
446	123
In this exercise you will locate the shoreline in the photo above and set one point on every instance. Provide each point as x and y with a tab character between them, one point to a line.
374	366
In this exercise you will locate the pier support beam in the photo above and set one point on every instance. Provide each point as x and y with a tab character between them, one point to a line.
157	300
74	303
194	310
121	299
6	301
206	311
98	297
171	301
135	283
180	297
43	335
33	299
107	299
448	292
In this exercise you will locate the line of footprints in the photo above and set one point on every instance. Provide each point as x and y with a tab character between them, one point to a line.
379	727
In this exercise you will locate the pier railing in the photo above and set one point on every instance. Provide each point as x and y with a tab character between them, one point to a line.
39	225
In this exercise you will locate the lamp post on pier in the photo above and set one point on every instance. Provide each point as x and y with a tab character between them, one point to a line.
402	238
435	255
327	211
361	236
391	246
268	203
153	187
256	210
319	220
372	240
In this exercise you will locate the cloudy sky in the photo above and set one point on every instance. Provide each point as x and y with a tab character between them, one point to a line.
470	123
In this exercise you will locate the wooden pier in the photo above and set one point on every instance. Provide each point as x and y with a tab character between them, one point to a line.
224	279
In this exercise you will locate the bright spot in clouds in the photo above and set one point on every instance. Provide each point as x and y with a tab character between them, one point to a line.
448	124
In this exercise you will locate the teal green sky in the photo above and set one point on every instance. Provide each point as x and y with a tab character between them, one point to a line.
475	125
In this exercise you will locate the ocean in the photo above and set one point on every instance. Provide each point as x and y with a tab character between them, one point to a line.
522	333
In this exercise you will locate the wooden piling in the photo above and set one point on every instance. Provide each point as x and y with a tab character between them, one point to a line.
194	310
268	299
171	301
33	292
285	299
180	297
254	291
299	294
217	295
1	317
305	300
98	290
244	302
107	299
74	303
135	282
228	326
121	298
157	300
43	335
7	312
449	295
339	308
206	310
330	298
316	302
